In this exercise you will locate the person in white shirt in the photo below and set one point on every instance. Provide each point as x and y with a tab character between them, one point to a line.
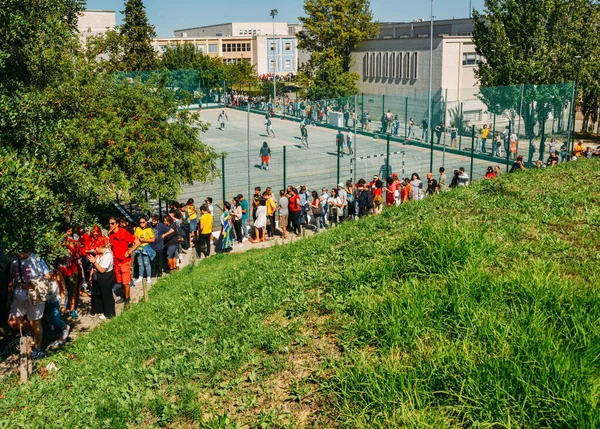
103	279
349	141
343	195
27	271
463	177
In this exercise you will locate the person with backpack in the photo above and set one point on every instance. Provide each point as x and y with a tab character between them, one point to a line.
29	282
171	242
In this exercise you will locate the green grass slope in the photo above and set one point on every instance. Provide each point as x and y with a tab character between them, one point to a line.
476	308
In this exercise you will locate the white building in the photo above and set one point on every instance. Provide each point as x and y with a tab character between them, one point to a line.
243	41
94	22
396	64
236	29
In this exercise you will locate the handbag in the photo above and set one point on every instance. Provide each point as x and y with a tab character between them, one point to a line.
317	211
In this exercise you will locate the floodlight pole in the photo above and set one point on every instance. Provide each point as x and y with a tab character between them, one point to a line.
429	112
573	107
273	15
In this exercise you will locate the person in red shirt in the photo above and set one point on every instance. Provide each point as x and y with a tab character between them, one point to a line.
391	190
120	240
69	268
295	209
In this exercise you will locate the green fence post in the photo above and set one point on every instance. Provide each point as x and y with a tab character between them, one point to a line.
160	209
338	163
472	149
406	118
285	167
223	175
431	154
460	127
362	109
494	132
508	147
387	158
382	107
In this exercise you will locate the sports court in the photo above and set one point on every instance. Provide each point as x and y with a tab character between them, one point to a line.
315	166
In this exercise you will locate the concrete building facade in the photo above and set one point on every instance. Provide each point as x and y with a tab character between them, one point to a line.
267	53
232	29
396	64
94	22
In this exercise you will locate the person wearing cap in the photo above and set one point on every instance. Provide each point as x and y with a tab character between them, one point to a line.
372	183
103	280
344	198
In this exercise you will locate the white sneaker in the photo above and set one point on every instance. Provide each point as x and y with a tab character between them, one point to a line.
102	317
148	280
138	280
178	262
65	333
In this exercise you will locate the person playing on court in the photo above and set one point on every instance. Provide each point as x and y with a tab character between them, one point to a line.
265	155
269	126
340	140
349	141
304	134
222	118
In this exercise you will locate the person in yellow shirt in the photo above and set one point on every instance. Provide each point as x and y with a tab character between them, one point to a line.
578	149
145	253
485	132
206	229
192	215
271	209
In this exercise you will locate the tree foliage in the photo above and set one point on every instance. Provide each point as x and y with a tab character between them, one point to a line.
535	43
138	34
332	30
74	137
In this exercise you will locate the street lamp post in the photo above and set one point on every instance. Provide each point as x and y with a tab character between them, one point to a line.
429	112
273	15
573	109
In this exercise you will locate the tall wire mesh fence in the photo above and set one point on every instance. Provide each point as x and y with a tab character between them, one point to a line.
472	128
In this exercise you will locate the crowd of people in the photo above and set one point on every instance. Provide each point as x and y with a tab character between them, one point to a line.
43	295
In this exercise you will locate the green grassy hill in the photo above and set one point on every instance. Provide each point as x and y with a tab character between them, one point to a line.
476	308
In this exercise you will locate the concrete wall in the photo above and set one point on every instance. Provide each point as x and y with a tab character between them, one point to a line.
378	84
235	29
94	22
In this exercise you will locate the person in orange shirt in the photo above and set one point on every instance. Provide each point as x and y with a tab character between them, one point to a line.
578	149
405	191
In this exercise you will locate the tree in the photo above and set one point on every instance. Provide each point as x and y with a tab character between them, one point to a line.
534	43
74	138
138	34
332	30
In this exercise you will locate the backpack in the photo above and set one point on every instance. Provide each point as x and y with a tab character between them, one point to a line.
350	198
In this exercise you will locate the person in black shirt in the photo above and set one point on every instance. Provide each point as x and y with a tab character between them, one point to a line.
431	185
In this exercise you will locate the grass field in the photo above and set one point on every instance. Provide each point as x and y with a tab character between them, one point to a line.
476	308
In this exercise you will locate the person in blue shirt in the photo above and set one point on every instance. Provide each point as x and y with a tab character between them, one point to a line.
245	214
340	140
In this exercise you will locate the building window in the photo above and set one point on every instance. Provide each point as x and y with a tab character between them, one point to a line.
372	64
213	48
406	66
414	65
288	64
241	32
471	59
366	69
472	116
384	65
248	47
200	48
399	65
392	62
273	65
378	65
288	46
